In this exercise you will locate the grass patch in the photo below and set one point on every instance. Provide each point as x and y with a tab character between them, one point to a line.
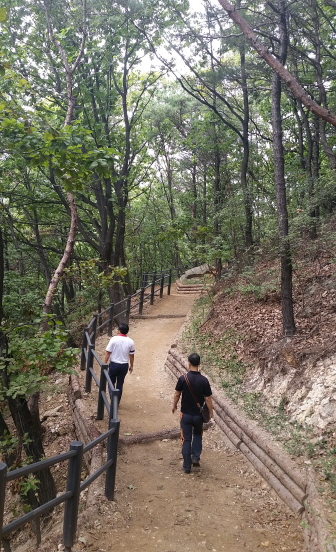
218	356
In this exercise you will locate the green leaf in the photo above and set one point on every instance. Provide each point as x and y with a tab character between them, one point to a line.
3	15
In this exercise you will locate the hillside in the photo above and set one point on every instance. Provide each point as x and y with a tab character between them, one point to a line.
286	384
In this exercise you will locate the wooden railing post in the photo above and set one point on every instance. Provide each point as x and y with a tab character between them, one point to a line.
153	289
89	364
169	281
141	302
111	316
161	285
94	329
102	389
3	472
71	505
84	345
128	308
112	446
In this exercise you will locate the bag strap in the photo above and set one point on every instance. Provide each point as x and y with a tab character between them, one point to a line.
191	390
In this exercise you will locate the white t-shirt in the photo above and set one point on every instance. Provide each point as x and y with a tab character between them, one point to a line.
120	347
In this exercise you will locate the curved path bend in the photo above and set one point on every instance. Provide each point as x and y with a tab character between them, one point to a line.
222	506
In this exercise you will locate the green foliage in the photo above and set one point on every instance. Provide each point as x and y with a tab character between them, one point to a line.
8	443
27	484
93	287
23	298
86	272
30	359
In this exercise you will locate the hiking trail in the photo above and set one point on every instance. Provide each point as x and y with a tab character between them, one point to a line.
223	505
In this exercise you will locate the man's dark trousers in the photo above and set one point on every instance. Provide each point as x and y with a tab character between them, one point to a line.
118	373
191	433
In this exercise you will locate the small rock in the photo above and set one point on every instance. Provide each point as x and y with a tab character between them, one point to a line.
62	431
52	413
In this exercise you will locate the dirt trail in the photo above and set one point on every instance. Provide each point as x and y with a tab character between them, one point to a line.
223	505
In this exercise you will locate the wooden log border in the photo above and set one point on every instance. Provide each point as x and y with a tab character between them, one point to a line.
296	487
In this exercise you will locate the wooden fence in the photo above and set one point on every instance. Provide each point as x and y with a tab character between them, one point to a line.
297	488
75	456
74	486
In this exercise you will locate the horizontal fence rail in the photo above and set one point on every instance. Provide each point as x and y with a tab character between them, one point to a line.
74	485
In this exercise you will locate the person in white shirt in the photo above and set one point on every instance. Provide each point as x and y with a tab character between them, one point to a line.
120	357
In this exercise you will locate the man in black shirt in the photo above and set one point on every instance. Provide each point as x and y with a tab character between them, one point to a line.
191	417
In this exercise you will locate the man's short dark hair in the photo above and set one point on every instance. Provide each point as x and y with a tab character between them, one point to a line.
123	328
194	359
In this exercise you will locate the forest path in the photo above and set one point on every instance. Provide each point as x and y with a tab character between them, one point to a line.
223	505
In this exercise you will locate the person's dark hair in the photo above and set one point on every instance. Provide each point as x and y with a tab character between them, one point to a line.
194	359
123	328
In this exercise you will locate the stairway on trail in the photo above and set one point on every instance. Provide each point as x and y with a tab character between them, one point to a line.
189	288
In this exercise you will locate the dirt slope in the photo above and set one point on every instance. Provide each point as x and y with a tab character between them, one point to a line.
223	505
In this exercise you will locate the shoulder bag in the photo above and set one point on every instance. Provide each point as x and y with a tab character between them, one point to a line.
204	408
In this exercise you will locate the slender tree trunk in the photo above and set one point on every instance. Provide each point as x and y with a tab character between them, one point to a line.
69	70
2	274
9	456
217	203
65	258
32	444
280	186
246	152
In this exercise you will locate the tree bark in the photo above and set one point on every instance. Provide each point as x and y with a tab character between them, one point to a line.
2	273
9	456
280	186
217	202
69	71
32	444
246	152
65	258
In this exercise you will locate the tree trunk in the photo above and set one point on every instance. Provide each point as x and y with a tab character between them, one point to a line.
217	203
9	455
65	258
246	151
2	273
280	186
69	70
32	444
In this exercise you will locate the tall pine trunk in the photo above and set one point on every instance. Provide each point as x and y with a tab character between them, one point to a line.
280	187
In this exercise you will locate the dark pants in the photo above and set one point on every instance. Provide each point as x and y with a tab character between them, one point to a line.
191	435
117	373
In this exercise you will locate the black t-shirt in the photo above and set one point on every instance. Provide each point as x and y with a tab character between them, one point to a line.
201	388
